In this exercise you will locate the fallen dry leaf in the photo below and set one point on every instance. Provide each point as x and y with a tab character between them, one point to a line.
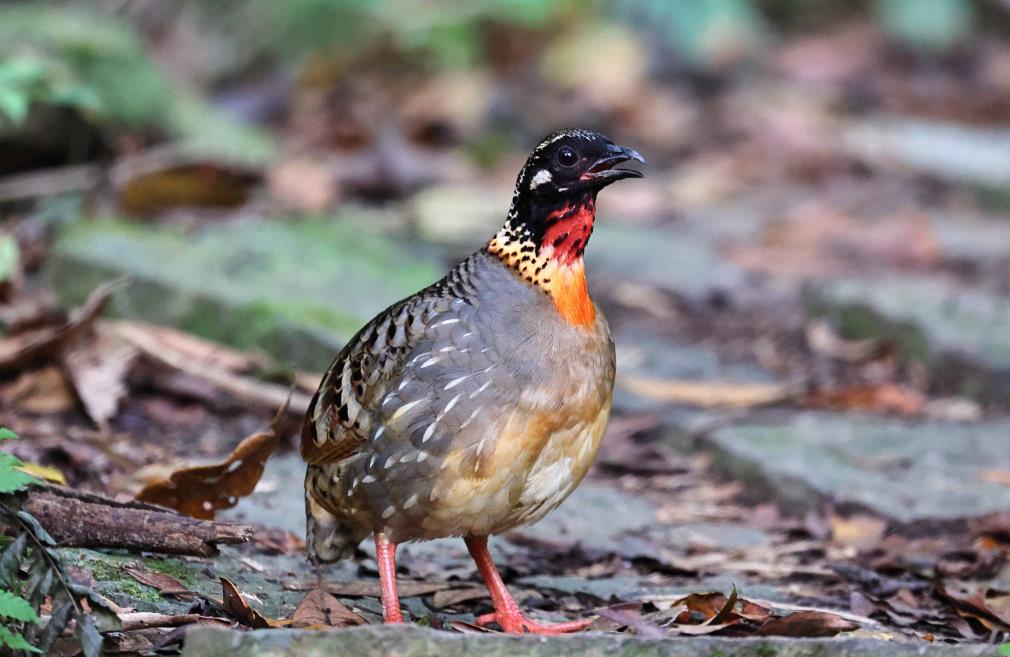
166	584
206	352
142	620
44	472
304	185
882	398
705	394
823	339
200	491
321	609
631	618
156	186
42	391
21	350
861	531
371	588
702	607
239	609
166	347
98	365
450	597
807	624
973	603
994	476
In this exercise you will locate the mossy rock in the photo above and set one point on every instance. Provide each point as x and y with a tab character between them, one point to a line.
295	289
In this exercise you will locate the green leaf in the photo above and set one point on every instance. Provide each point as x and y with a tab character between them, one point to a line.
11	479
88	636
14	103
7	434
37	529
935	25
57	622
105	616
16	608
10	560
10	254
15	641
39	585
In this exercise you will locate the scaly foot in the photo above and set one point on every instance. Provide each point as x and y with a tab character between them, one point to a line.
519	624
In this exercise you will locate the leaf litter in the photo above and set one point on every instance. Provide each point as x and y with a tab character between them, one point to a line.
182	399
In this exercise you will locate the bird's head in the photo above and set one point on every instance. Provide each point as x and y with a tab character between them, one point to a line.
571	163
553	211
554	203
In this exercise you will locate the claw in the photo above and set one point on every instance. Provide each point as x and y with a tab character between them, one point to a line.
519	624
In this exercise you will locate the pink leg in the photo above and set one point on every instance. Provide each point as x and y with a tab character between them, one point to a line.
385	554
506	611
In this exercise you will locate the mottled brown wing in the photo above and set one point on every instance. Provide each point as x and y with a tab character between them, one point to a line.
339	418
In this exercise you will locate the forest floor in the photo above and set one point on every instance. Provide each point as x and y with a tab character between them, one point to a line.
808	446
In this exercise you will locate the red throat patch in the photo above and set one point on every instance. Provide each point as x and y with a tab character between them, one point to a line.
555	265
569	231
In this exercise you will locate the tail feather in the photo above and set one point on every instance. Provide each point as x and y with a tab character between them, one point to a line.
327	537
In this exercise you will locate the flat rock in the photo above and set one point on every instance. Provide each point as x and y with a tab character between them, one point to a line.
949	151
412	641
933	318
295	289
876	463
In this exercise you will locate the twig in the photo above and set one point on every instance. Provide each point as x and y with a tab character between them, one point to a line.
53	565
244	388
146	620
49	182
87	520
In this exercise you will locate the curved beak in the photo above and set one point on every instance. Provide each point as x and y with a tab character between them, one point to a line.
603	172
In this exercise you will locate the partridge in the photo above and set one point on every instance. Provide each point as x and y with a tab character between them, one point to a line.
477	404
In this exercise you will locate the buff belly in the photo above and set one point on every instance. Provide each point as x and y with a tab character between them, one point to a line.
521	486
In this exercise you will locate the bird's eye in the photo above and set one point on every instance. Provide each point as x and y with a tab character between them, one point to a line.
567	156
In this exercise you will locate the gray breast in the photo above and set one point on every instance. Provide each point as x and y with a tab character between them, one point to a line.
477	359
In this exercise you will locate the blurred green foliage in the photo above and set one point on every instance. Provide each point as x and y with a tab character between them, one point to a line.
933	25
71	58
448	34
700	30
97	64
86	55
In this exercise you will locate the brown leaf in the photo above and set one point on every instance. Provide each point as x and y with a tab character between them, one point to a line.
167	184
201	491
975	604
859	530
278	541
205	352
630	617
169	348
697	630
142	620
304	185
44	390
166	584
239	609
701	607
21	350
882	398
707	394
726	613
994	476
321	609
370	588
98	366
451	597
823	339
807	624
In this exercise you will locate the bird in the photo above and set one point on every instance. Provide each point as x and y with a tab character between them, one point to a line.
478	404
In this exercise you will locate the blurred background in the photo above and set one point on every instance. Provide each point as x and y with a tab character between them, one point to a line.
810	289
